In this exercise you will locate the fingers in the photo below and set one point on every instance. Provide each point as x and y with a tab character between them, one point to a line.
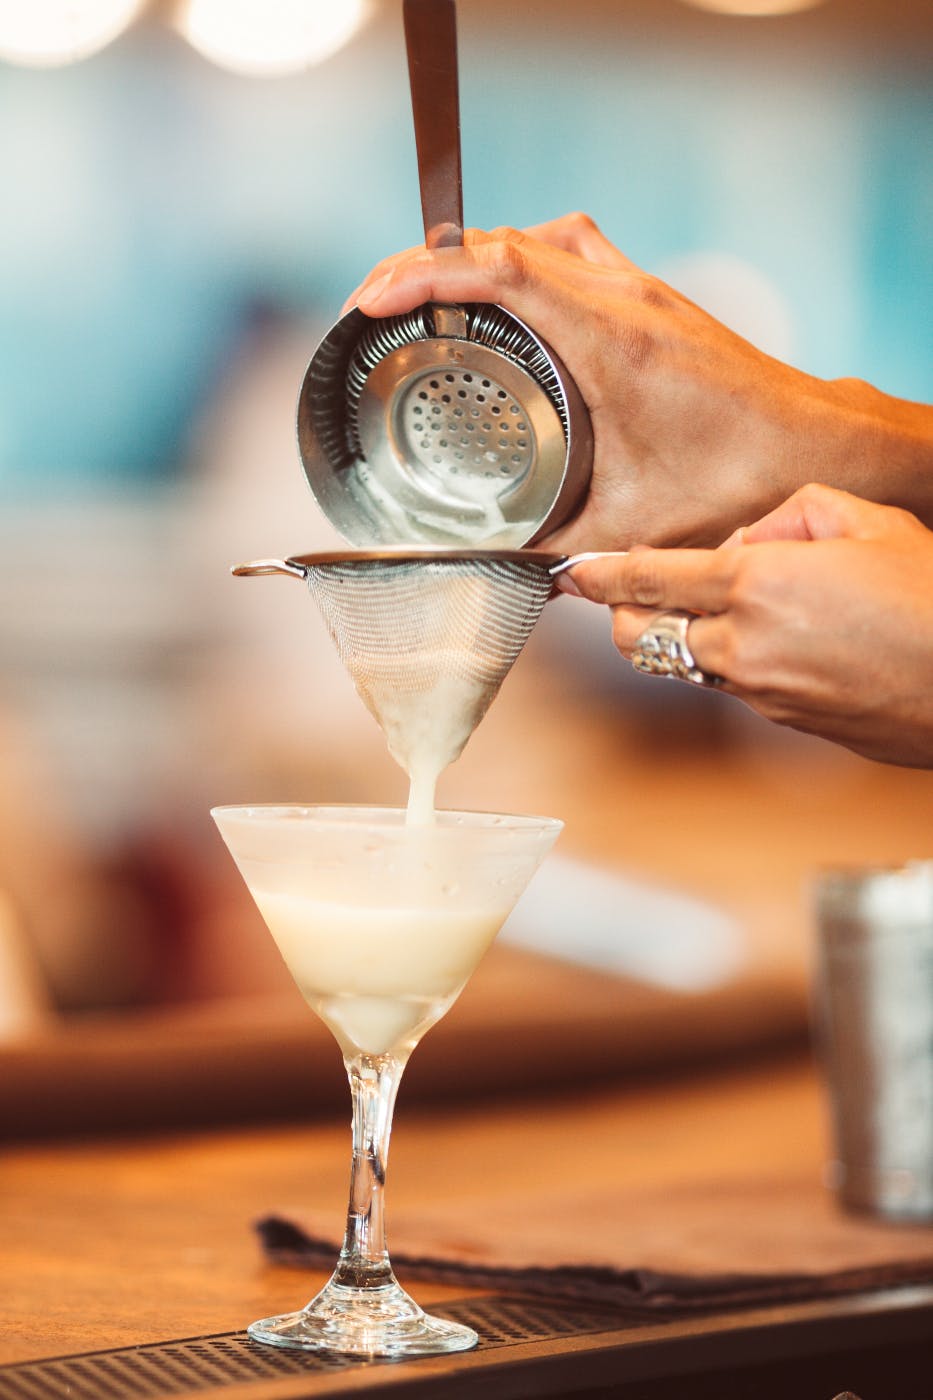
446	274
699	580
644	582
817	512
539	280
577	233
525	277
711	639
398	260
375	275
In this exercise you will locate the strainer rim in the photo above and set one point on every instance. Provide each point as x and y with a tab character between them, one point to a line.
401	554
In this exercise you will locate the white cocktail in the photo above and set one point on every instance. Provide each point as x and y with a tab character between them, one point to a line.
381	923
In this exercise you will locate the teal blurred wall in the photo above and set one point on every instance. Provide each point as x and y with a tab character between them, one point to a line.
153	204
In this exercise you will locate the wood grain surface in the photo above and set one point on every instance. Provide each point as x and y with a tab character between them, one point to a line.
121	1242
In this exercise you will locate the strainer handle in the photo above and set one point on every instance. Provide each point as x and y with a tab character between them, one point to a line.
269	566
570	560
431	42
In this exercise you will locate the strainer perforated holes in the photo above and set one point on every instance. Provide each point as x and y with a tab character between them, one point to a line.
461	422
412	438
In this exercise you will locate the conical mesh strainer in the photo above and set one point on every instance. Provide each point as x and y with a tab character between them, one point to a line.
451	425
427	637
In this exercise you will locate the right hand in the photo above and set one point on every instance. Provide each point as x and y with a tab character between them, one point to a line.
819	616
696	431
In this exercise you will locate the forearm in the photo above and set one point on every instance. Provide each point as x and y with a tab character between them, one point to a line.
868	443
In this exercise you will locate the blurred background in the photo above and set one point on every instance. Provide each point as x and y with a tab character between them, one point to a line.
190	191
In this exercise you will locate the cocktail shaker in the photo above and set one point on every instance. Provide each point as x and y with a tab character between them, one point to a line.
874	994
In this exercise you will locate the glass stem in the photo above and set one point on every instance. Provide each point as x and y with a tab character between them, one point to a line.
364	1258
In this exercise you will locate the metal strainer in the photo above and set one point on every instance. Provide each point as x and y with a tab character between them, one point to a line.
428	637
451	425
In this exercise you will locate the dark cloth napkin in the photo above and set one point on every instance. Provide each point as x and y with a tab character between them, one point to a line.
708	1246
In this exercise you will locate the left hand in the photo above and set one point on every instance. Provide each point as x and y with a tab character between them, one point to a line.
818	616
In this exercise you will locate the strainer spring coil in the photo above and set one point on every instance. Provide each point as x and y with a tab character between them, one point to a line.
486	325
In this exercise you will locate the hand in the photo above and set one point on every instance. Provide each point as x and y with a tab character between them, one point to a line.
695	430
819	616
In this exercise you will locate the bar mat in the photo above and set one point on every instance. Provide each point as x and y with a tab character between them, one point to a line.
661	1251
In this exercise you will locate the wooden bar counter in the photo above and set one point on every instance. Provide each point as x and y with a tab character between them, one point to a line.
117	1243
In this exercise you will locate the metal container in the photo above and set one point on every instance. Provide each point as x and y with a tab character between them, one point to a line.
874	992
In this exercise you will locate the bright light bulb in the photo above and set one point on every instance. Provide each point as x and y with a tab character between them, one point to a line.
48	33
266	38
753	7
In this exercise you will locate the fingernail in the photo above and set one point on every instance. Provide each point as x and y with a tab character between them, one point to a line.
566	585
374	291
737	537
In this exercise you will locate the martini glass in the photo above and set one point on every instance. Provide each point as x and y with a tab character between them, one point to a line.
381	924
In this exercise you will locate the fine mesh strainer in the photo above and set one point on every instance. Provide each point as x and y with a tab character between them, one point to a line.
428	637
450	425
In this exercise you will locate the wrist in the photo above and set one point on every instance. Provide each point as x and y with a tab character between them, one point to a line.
875	446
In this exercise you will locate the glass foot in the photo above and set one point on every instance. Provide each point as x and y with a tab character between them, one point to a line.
364	1322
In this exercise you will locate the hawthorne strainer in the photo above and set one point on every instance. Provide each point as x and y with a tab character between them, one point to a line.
429	636
450	425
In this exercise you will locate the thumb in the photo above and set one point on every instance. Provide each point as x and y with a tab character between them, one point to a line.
817	512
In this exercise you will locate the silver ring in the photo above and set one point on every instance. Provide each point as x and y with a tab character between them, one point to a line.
663	650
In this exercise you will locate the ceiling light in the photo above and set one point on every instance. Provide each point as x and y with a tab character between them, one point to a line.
267	38
47	33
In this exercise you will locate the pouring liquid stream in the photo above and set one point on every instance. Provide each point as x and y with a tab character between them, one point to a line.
426	730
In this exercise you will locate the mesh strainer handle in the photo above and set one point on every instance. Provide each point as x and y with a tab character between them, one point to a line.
570	560
269	566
